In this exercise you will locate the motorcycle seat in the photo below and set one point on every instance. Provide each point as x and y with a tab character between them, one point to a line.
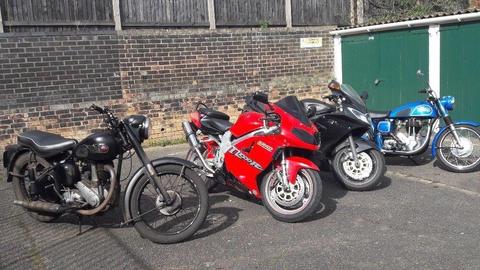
214	126
45	144
213	113
379	114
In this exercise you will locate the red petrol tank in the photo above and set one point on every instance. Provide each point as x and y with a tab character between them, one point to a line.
247	122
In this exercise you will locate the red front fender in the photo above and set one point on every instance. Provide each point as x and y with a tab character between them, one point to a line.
294	164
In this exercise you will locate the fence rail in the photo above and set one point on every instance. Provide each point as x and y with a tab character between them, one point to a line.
59	15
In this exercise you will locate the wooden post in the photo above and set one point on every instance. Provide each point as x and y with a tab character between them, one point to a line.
117	15
1	21
211	14
360	11
288	13
353	12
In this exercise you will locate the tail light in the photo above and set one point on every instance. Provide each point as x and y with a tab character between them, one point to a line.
195	117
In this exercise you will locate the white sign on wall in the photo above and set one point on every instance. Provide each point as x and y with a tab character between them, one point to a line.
311	42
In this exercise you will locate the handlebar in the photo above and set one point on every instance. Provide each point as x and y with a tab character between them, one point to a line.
109	118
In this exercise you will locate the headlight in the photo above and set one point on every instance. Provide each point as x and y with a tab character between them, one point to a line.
448	102
145	130
362	116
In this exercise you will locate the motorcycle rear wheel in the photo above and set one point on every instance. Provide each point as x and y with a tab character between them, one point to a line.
307	179
192	156
348	179
20	186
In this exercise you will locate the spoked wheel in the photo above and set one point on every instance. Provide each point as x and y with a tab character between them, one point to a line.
209	181
173	223
297	202
362	176
460	158
22	186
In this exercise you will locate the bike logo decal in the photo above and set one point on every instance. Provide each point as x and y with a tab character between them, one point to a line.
236	152
423	109
265	146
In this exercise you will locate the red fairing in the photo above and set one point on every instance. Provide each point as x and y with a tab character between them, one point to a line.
295	164
247	122
195	119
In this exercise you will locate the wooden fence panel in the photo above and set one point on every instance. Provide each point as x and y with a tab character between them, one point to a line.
164	12
55	14
321	12
250	12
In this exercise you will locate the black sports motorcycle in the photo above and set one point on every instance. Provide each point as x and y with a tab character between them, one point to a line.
165	199
356	162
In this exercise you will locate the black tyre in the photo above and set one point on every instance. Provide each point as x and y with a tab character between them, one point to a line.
297	204
152	222
455	159
20	186
364	177
192	156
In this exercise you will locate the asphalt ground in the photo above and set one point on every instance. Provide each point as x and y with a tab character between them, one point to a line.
420	217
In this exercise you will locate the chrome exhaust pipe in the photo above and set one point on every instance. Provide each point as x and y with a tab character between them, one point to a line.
195	144
39	206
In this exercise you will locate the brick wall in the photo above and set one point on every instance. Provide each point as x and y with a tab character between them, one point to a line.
48	81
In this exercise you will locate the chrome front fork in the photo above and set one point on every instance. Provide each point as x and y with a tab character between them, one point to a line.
455	135
283	176
353	149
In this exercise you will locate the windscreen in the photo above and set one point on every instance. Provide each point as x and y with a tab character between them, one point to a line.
354	97
292	106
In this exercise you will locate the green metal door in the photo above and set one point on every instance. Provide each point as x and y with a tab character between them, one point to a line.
385	65
460	68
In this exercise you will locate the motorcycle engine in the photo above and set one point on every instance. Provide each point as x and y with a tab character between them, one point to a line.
408	135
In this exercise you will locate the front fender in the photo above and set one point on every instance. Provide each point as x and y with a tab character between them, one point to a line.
443	129
295	164
361	143
141	172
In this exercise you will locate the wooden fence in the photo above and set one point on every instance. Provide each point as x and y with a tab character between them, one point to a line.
60	15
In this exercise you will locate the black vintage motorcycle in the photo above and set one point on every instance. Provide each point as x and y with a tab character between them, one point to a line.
356	161
165	199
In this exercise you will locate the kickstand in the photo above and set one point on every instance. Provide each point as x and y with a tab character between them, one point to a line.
413	160
80	219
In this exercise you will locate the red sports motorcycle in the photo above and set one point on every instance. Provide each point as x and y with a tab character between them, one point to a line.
265	153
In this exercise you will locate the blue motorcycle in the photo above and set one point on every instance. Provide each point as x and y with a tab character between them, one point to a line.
407	130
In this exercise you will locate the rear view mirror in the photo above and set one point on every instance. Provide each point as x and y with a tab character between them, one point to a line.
311	111
364	95
260	97
334	86
420	73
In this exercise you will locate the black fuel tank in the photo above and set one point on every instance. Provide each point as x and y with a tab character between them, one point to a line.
101	146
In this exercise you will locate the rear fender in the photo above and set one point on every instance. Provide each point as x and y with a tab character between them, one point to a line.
12	152
443	129
295	164
141	172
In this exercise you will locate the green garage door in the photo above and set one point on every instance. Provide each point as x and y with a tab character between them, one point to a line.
460	68
385	65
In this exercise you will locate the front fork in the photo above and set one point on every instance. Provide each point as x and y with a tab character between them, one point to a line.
151	172
353	149
283	176
451	125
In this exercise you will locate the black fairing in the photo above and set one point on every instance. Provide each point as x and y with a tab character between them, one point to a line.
292	106
336	127
101	146
322	107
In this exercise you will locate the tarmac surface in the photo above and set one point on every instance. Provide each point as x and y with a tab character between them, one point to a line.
420	217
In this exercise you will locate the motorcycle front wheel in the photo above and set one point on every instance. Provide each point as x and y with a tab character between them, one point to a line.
366	176
166	224
460	159
293	205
